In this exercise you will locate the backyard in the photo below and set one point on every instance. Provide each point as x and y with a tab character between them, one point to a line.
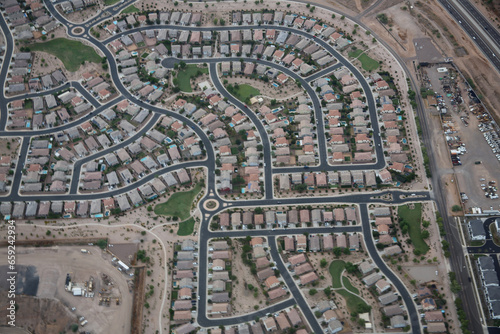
185	75
243	92
412	217
71	53
179	204
367	63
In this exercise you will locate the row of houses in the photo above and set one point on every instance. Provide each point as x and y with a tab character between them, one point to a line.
20	79
322	243
291	20
28	19
184	283
173	18
43	209
49	111
285	320
150	153
346	146
220	282
75	5
219	123
284	130
288	218
490	284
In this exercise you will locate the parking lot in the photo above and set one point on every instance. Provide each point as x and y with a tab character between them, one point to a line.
472	142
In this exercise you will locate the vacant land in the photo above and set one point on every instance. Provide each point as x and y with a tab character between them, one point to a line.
413	217
186	227
179	204
185	75
130	9
367	63
71	53
243	92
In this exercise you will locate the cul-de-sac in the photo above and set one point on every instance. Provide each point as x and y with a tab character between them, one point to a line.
251	167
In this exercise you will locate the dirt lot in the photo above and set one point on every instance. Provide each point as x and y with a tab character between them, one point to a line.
243	299
9	146
53	263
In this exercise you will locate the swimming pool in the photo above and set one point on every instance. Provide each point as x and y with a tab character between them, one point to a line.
28	124
99	215
403	140
168	140
67	216
275	84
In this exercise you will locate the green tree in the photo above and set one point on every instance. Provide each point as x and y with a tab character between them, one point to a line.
312	292
323	263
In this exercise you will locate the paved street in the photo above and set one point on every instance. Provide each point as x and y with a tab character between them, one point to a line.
361	199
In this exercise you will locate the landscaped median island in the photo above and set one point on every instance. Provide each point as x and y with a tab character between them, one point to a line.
71	53
179	204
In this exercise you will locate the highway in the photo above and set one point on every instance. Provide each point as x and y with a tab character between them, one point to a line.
476	35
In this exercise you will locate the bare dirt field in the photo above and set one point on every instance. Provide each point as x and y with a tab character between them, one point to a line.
53	263
244	300
9	146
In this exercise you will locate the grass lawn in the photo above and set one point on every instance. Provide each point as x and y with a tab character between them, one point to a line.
130	9
348	285
354	303
245	92
110	2
367	63
184	76
413	217
71	53
336	268
179	204
186	227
